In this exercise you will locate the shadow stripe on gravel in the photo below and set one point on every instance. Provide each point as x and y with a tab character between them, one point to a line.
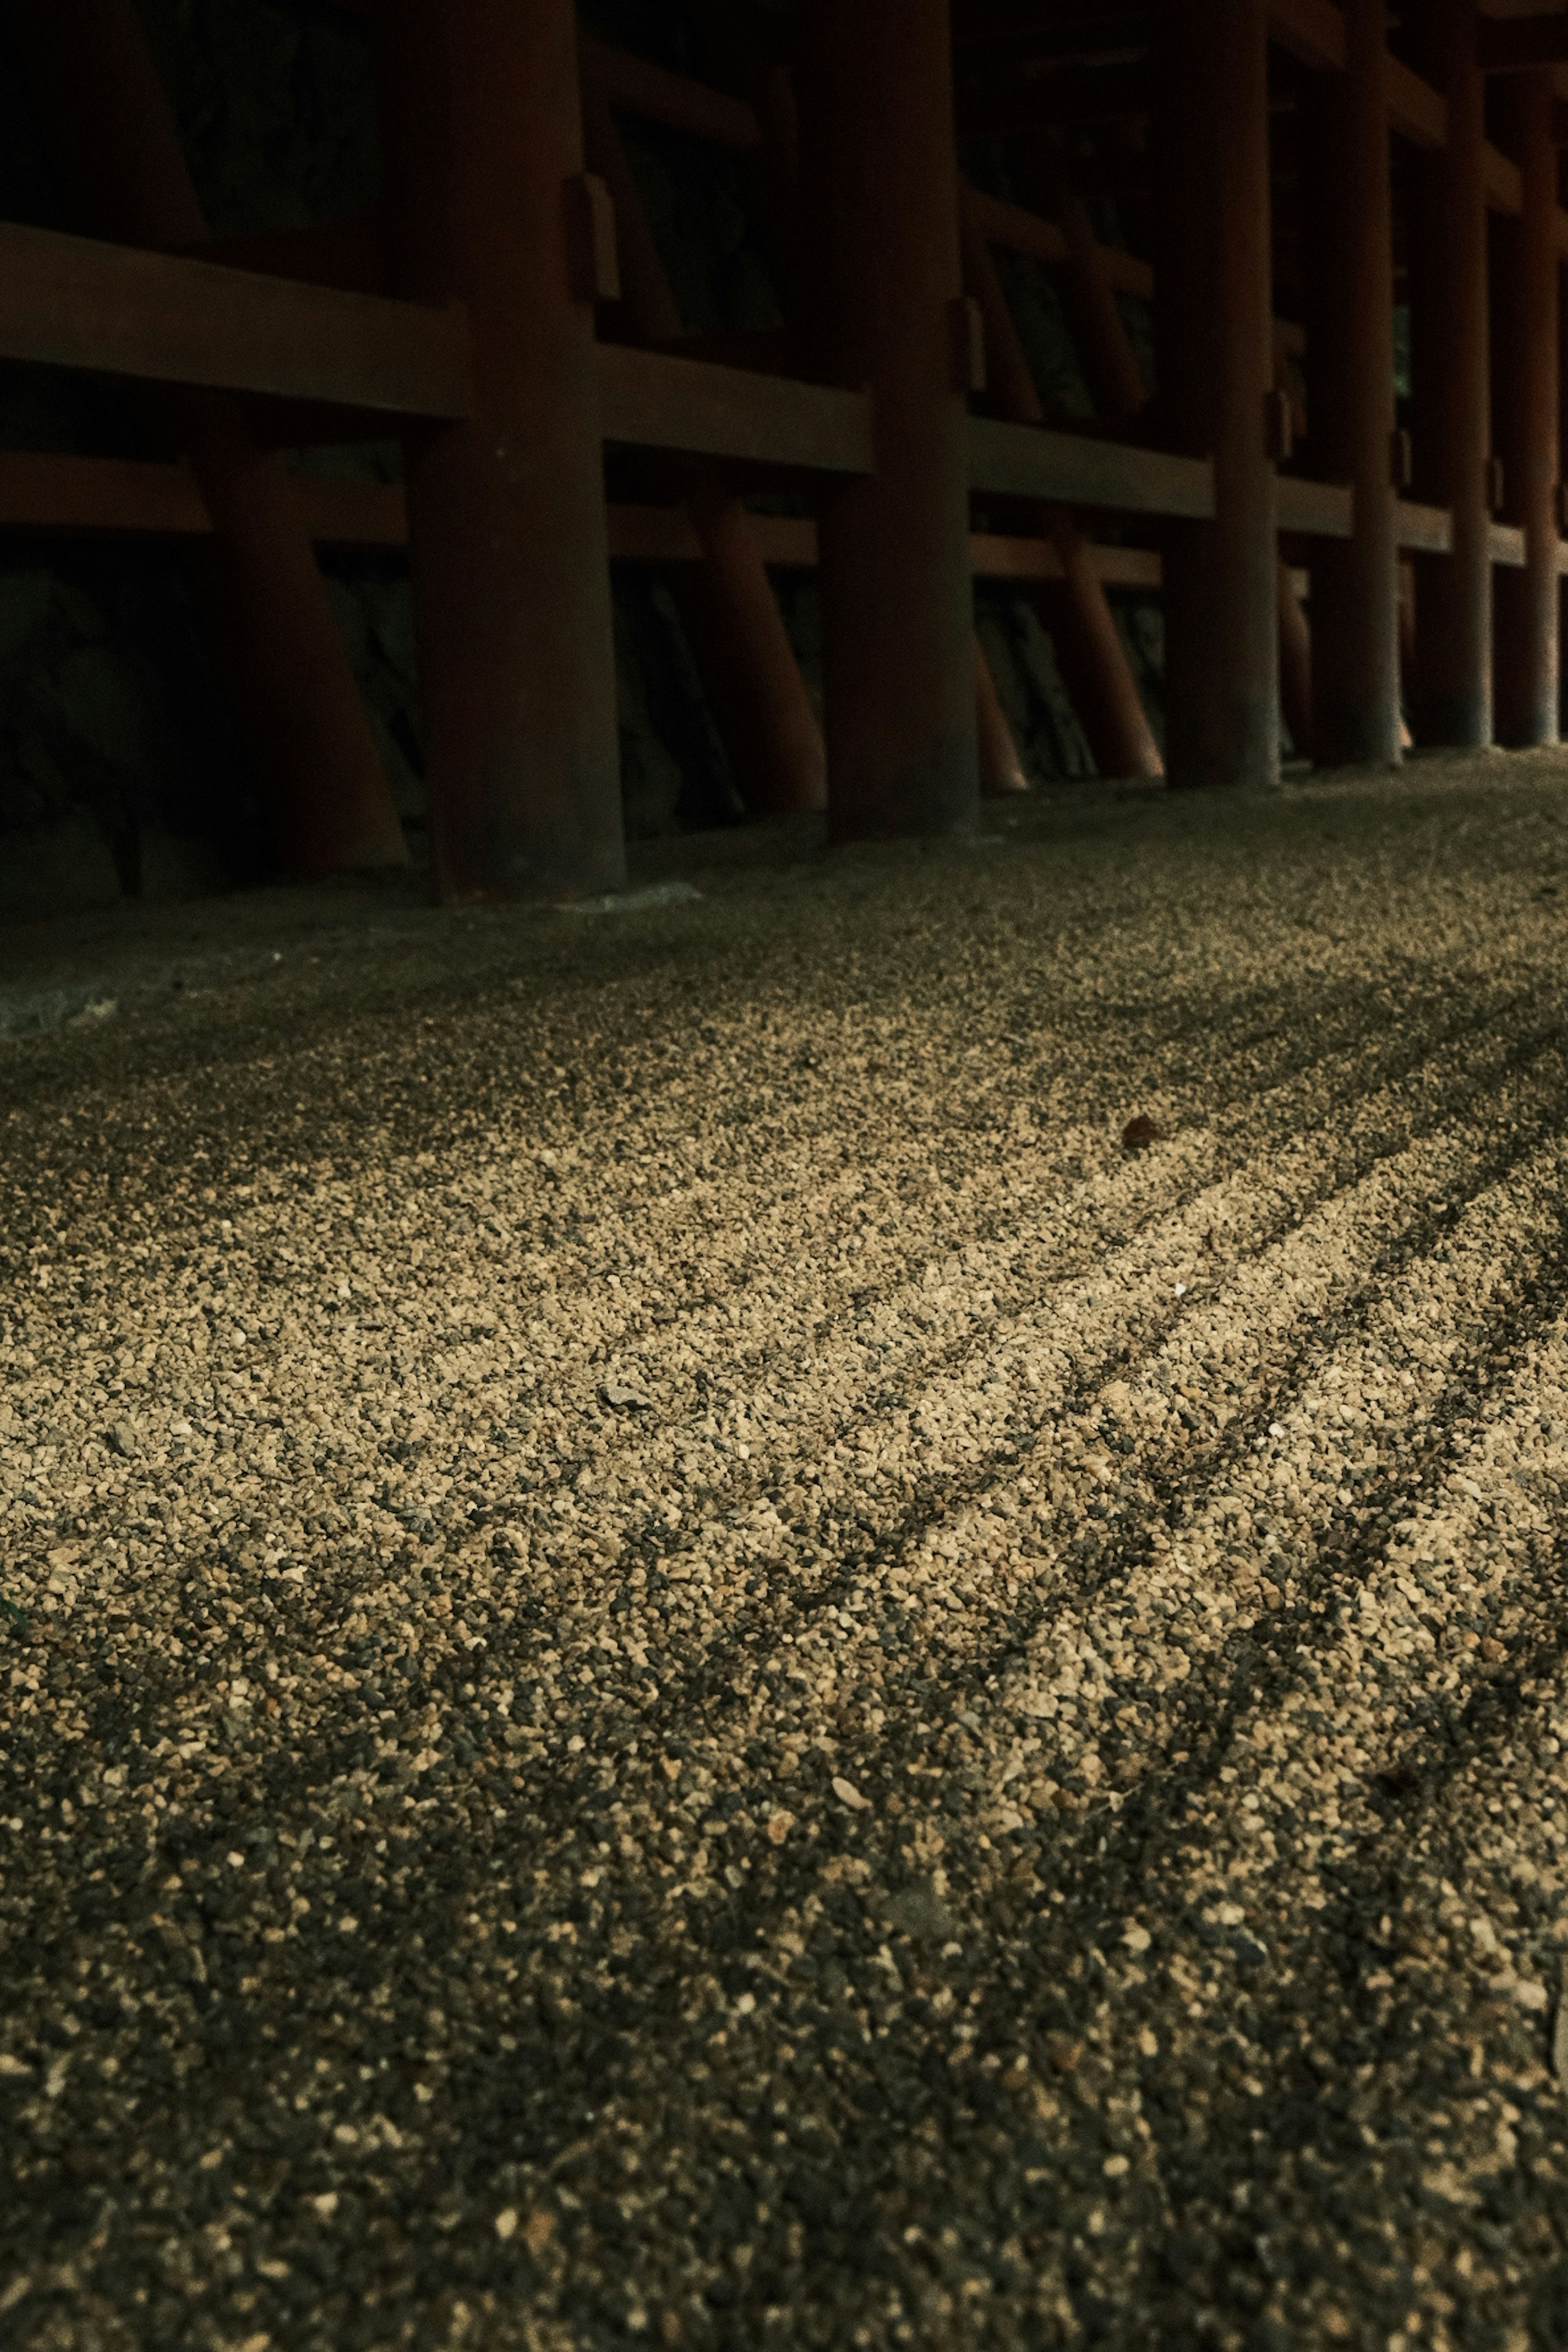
709	1682
886	1546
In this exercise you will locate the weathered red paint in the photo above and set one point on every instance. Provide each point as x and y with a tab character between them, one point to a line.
1351	399
1452	396
481	133
1214	367
881	273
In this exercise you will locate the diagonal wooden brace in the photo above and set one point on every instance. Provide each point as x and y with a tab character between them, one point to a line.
1114	719
753	675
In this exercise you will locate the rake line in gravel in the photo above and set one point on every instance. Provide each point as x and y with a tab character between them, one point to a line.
1219	1686
953	1360
707	1683
1314	1960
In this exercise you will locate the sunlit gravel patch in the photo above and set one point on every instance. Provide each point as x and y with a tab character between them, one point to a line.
682	1661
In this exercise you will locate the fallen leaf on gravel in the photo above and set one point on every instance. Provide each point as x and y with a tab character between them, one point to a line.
1141	1132
614	1393
848	1794
779	1826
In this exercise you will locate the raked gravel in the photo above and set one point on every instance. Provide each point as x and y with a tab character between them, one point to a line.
685	1666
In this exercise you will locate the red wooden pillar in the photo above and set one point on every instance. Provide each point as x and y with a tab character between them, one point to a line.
1215	343
1527	601
881	283
1350	359
107	124
1451	384
482	135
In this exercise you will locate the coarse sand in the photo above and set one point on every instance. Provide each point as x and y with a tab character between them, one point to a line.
685	1665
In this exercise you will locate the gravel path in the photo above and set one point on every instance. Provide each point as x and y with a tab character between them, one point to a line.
699	1671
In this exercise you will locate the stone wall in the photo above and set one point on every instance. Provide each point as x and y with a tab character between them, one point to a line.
122	770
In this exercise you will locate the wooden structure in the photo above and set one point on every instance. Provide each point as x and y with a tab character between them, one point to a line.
506	312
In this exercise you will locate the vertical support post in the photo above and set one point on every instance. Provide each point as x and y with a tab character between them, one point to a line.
108	124
1350	360
1213	336
1527	601
481	133
1451	383
881	280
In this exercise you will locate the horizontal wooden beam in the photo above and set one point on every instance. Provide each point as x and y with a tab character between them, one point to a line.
667	535
1019	230
58	492
1426	530
349	253
75	302
649	399
1415	111
1067	470
1313	31
1322	510
52	491
788	543
654	401
995	555
85	496
635	87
